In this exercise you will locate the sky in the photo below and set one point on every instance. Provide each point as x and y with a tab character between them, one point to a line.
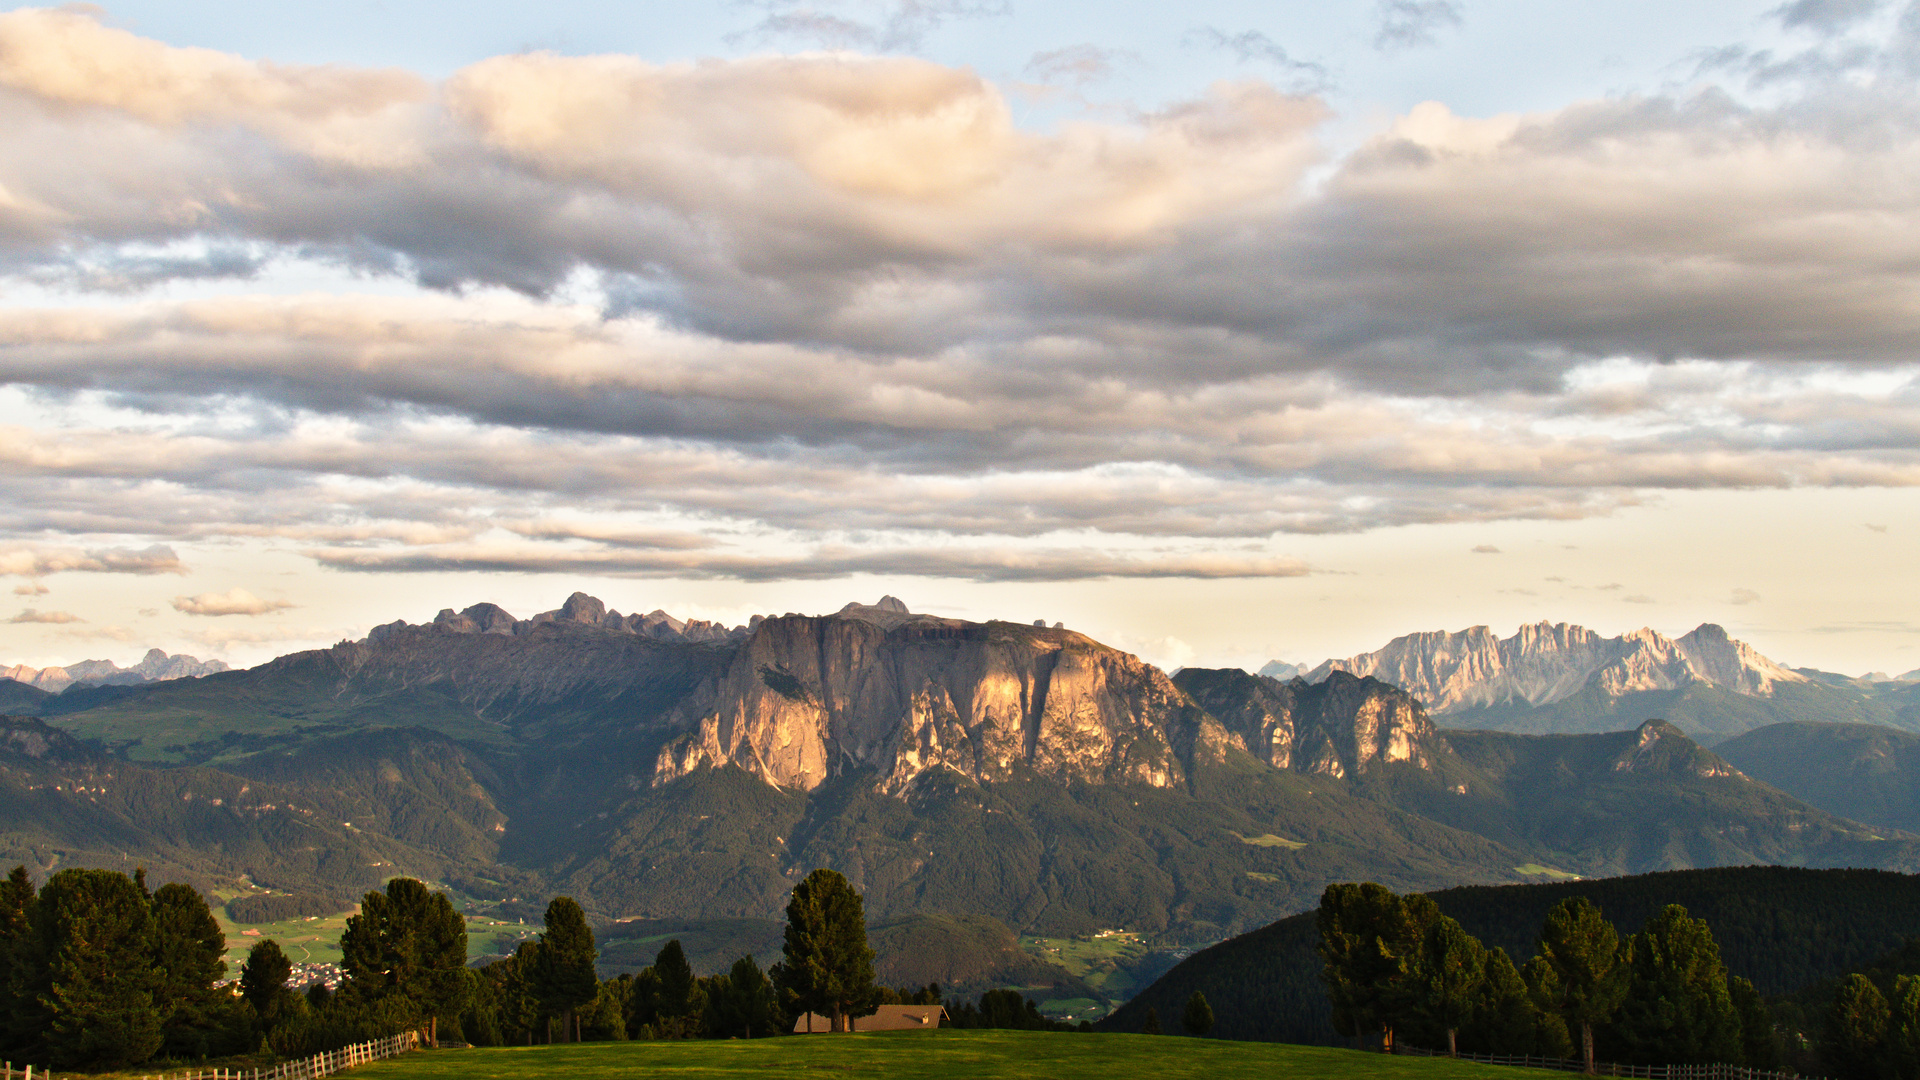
1222	332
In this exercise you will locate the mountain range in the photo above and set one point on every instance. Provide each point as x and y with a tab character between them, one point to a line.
156	666
1019	776
1557	677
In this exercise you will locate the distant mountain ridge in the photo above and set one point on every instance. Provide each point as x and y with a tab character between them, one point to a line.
657	770
156	666
1548	662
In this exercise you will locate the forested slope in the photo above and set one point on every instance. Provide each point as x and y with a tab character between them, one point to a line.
1781	927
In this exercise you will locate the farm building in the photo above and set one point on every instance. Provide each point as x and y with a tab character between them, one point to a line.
888	1018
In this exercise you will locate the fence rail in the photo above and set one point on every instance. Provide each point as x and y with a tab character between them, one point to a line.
313	1068
1605	1068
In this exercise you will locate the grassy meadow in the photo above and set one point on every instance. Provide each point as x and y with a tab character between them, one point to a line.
933	1055
316	940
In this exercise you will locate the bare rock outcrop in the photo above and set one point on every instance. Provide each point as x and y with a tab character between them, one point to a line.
1547	662
1339	727
875	689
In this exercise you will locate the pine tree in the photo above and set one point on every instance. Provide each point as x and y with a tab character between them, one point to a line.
16	915
1900	1053
1580	951
742	1003
1367	938
678	1002
1151	1025
1677	1010
88	970
1759	1042
189	958
407	949
1507	1019
563	972
1197	1018
828	965
1856	1032
1450	978
263	981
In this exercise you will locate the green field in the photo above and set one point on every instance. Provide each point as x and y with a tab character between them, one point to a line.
907	1055
317	940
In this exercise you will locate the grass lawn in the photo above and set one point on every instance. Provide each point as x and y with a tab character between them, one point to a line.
946	1055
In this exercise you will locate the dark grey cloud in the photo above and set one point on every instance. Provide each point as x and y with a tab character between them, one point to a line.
1826	16
1408	24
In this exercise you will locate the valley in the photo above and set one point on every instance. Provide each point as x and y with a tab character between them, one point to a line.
1020	805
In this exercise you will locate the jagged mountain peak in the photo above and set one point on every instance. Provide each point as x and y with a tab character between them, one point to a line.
579	610
156	666
1545	662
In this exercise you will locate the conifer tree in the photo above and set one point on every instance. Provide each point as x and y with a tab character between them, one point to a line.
1677	1010
1450	977
1367	940
407	949
1197	1018
1151	1025
742	1003
189	958
1759	1042
563	973
1900	1053
1584	980
1856	1029
263	981
16	914
88	973
678	1002
1507	1018
828	964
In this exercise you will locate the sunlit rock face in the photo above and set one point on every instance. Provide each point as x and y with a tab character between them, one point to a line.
898	695
1659	748
1340	727
1547	662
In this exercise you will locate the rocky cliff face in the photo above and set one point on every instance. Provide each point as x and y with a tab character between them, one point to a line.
1547	662
876	689
1339	727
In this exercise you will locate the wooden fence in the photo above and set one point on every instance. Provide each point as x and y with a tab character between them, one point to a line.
312	1068
1604	1068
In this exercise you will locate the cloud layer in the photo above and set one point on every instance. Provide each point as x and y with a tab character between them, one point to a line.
806	316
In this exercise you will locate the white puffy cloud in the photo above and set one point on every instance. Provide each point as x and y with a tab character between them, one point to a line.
235	601
34	561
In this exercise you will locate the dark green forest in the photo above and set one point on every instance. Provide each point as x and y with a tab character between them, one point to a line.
1782	928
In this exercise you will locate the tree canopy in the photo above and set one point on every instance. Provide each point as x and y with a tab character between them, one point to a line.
828	964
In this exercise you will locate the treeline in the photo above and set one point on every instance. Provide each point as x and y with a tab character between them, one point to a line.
546	991
279	907
1397	967
98	972
1784	928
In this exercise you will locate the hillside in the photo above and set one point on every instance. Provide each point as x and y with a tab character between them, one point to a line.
1780	927
1867	772
664	771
